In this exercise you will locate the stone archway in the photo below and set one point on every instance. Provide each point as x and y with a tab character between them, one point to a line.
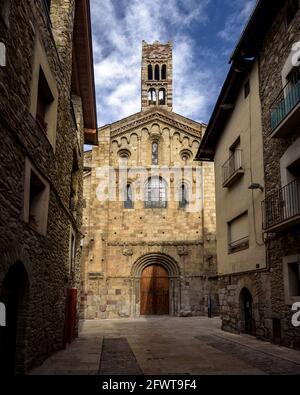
15	283
161	260
14	294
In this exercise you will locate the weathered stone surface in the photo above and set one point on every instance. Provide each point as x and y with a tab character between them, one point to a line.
118	240
45	257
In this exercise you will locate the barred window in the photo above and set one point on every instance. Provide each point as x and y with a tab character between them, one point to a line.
156	193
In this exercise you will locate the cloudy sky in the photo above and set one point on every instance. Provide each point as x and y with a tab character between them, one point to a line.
203	32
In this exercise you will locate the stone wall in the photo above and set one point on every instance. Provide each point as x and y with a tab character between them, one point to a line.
119	242
276	50
45	257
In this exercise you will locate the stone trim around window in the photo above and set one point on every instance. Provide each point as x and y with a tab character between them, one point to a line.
40	62
286	261
36	199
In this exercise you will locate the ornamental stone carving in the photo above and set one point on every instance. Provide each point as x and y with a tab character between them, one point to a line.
182	250
127	251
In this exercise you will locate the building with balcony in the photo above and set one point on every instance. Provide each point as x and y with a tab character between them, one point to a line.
233	141
254	139
280	98
47	112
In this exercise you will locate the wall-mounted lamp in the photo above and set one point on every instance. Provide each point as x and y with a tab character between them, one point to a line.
256	186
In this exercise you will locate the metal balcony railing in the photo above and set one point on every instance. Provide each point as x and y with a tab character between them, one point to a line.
282	207
285	102
232	166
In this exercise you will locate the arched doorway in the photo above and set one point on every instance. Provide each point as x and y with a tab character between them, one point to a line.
246	302
154	291
14	294
166	273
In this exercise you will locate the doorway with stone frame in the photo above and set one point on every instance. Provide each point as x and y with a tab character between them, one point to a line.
155	284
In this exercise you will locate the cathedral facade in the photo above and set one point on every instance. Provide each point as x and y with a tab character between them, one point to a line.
149	209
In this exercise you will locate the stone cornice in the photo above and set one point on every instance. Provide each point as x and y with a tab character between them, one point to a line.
154	243
145	119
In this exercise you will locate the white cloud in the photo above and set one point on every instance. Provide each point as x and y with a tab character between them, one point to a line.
236	21
119	27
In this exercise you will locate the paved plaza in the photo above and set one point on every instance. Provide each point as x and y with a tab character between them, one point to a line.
168	345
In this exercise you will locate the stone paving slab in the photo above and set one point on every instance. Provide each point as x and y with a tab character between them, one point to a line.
267	363
117	358
82	357
169	345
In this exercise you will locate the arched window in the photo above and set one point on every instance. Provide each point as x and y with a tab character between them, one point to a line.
150	72
156	72
162	96
155	153
152	96
183	196
164	72
156	193
128	203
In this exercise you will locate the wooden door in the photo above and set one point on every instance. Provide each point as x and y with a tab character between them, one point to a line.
70	315
154	291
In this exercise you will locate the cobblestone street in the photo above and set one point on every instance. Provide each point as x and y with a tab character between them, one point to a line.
168	345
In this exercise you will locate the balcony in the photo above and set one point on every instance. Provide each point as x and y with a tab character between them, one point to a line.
233	168
282	209
285	111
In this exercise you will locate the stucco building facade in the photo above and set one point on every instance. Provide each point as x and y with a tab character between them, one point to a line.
47	112
149	217
256	124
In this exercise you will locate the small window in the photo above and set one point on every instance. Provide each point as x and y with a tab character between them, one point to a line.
162	96
128	203
44	101
155	153
152	96
124	154
36	199
72	251
156	72
247	89
183	201
37	202
294	278
238	234
164	72
186	155
150	72
156	193
74	183
291	11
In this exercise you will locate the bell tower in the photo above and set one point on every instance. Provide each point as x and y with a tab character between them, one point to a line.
157	76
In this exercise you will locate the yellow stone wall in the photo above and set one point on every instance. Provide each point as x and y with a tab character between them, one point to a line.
116	238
